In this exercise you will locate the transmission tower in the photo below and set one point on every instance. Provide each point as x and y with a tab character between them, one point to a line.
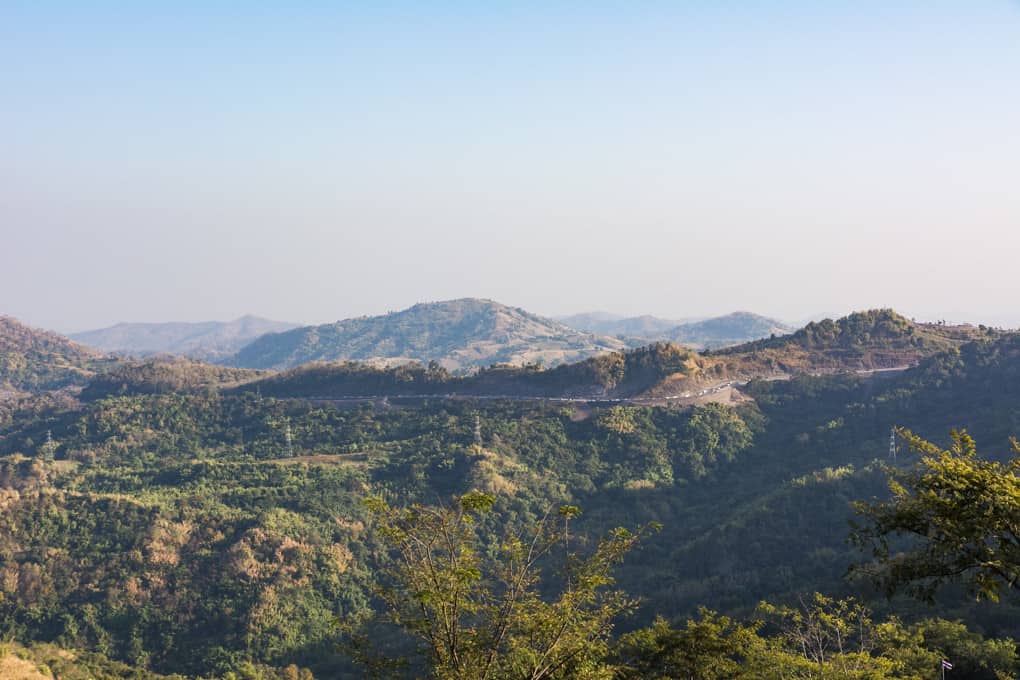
892	444
478	430
48	446
290	441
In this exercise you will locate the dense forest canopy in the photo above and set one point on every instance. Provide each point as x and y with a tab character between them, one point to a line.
185	518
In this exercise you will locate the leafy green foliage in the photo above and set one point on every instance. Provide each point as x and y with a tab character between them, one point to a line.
479	617
178	533
820	637
962	511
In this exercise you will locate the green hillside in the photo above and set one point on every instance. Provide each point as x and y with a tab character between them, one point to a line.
207	531
33	359
191	513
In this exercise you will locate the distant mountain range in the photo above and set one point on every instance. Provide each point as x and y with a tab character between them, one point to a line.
547	357
210	340
458	334
722	331
646	326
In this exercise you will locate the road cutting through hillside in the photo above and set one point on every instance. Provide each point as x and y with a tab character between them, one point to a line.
724	392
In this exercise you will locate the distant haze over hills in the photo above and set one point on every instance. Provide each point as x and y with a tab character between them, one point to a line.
731	329
208	340
459	334
645	326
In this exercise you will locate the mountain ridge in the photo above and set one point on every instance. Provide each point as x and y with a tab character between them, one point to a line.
460	335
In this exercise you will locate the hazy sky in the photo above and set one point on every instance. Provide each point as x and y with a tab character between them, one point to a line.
310	161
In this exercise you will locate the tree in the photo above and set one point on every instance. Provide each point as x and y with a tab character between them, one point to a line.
818	639
712	647
478	617
960	516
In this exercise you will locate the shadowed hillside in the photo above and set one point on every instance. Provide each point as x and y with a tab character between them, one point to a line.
165	375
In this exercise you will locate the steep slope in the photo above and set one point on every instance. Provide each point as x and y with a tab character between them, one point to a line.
33	359
458	334
722	331
206	340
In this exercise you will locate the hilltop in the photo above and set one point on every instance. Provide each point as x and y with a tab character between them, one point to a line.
458	334
208	340
33	359
869	340
722	331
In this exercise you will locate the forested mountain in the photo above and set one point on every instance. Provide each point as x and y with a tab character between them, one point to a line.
208	340
197	530
33	359
458	334
189	518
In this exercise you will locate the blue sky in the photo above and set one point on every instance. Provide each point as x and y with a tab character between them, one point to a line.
312	161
